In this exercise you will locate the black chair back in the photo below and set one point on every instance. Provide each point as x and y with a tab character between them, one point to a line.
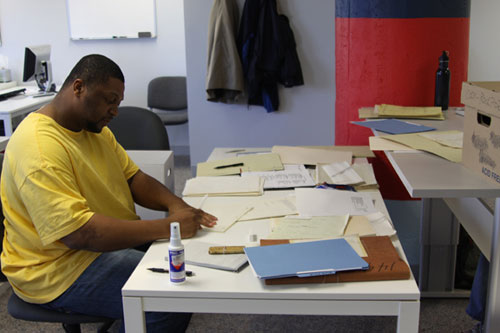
139	129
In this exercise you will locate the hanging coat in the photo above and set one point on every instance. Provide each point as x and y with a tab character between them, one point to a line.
224	81
268	52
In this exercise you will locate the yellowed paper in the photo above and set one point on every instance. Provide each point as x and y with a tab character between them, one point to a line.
389	110
368	113
366	172
419	142
454	139
253	162
224	186
357	151
309	228
354	241
381	143
360	226
311	156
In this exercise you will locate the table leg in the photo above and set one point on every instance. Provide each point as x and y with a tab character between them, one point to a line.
408	317
492	319
439	231
133	315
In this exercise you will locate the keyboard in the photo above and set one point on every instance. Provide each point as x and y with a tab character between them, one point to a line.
11	92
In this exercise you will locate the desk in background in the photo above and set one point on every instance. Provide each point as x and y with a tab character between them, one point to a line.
450	195
159	164
3	142
14	109
216	291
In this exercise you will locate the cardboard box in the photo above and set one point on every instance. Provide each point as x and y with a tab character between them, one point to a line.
481	150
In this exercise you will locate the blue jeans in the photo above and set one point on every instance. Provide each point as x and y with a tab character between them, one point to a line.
477	301
98	292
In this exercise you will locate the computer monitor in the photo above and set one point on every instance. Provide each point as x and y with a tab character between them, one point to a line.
37	67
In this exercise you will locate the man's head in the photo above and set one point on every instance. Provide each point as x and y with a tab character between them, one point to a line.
94	69
95	87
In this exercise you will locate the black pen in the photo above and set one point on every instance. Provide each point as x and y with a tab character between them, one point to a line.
163	270
229	166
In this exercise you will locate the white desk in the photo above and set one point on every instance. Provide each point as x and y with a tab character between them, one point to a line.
14	109
159	164
216	291
3	142
450	192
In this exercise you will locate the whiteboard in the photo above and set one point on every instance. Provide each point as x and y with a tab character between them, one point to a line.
111	19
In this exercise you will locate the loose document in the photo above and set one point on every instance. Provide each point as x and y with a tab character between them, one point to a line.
292	176
329	202
224	186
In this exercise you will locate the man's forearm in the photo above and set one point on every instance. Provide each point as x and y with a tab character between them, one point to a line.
150	193
102	233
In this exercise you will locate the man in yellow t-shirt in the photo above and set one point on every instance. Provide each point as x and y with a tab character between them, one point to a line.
68	191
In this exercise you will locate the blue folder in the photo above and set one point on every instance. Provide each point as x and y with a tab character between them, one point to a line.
394	126
304	259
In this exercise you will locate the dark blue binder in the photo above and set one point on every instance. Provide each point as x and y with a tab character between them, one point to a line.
304	259
394	126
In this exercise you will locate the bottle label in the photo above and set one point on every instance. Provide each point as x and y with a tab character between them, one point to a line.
177	267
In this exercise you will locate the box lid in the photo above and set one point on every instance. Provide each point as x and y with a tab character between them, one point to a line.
484	96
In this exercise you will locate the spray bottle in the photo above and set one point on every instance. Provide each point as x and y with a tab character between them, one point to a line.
176	255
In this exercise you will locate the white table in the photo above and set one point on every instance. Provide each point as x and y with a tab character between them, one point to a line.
14	109
450	195
215	291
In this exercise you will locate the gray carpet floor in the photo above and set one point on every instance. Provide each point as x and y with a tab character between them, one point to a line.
436	315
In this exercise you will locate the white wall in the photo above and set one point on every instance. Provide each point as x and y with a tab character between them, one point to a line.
306	115
32	22
484	47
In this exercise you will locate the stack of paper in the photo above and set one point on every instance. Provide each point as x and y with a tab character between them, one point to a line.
224	186
304	259
237	165
292	176
311	156
396	111
196	253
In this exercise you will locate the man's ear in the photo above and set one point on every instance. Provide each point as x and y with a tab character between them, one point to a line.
78	87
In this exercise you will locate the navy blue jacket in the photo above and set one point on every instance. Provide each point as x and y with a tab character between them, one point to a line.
267	49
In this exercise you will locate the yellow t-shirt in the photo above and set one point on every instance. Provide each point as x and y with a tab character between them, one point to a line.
53	181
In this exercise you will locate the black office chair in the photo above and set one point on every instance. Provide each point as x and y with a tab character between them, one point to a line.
20	309
139	129
167	97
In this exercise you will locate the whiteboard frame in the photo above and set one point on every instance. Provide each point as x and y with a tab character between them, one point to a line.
105	11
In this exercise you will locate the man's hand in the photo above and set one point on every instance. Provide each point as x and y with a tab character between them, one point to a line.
191	219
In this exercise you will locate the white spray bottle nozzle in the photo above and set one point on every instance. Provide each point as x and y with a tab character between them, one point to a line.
175	234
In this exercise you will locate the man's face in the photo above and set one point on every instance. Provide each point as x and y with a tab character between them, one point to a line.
101	104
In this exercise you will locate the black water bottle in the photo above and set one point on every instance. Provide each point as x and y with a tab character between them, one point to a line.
442	94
